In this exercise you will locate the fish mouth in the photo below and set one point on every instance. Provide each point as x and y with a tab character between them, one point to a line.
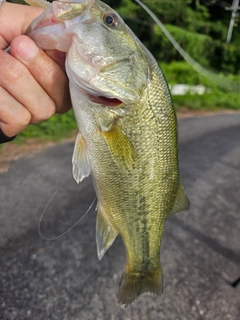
111	102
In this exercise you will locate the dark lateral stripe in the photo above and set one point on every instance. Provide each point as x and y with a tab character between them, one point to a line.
4	138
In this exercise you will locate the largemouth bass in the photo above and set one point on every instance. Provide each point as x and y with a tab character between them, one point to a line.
127	133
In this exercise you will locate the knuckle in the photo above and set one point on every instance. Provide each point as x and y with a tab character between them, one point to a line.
12	71
18	123
44	113
16	72
23	119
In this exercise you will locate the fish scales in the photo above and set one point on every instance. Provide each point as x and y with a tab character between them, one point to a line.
127	134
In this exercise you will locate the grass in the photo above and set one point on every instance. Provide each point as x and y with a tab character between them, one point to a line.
213	101
56	128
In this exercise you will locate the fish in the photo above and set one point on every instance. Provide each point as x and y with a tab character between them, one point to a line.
128	137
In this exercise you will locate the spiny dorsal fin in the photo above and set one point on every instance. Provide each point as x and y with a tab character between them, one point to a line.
181	202
105	233
80	161
121	148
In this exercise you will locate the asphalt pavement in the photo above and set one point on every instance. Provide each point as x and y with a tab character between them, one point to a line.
63	279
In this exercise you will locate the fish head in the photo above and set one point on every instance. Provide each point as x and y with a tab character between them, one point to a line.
105	60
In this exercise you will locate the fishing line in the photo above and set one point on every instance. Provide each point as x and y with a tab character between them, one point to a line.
64	233
221	81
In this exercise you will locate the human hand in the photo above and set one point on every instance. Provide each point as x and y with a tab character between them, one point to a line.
33	83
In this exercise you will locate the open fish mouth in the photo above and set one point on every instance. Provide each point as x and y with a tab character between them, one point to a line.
111	102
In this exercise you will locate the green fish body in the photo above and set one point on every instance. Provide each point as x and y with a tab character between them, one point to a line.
127	135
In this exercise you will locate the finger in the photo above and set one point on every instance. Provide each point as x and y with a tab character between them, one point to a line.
48	73
18	81
13	116
15	19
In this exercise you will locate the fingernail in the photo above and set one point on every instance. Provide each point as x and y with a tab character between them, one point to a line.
27	49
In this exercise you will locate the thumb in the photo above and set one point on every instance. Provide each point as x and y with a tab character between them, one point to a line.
24	49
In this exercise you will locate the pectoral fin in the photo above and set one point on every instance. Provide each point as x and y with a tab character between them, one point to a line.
105	233
121	148
181	202
80	161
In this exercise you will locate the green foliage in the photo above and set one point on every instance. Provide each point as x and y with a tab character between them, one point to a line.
194	44
181	72
171	11
231	58
124	7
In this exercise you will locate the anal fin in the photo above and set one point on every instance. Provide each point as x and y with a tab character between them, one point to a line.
80	161
181	202
105	233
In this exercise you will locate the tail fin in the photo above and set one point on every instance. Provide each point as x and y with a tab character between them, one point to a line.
133	284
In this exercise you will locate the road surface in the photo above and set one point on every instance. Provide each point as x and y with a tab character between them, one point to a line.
63	279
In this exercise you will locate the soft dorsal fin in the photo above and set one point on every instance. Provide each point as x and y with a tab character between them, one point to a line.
105	233
118	143
181	202
80	161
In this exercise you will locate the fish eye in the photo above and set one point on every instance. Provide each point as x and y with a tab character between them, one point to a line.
110	20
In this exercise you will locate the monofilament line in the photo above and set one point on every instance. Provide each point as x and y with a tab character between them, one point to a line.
64	233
